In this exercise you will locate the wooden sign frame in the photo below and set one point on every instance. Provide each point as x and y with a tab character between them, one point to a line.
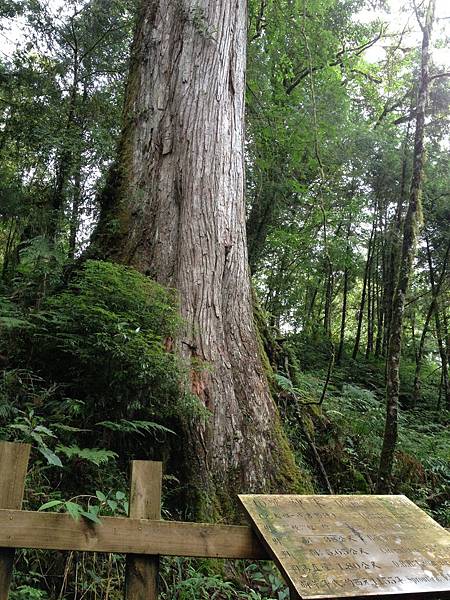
345	547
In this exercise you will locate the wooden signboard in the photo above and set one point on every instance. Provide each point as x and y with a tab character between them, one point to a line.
353	546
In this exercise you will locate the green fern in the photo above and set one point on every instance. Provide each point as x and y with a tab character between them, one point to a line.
140	427
96	456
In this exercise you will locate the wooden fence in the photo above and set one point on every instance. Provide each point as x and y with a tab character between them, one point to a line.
142	536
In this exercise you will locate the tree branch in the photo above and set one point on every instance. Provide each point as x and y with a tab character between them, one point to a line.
422	27
368	76
260	21
339	60
388	109
438	75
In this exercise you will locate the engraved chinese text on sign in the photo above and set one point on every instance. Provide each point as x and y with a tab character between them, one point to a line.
353	546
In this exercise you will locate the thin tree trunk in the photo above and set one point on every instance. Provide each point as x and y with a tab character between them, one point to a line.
435	290
410	234
173	208
412	319
438	325
446	331
343	315
370	311
444	351
394	245
363	294
75	212
379	311
9	249
74	223
328	299
65	159
371	346
310	311
417	386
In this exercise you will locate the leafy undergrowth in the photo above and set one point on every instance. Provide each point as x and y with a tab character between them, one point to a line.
102	577
347	431
185	579
86	379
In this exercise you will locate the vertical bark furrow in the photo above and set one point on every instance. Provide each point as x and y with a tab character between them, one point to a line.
182	219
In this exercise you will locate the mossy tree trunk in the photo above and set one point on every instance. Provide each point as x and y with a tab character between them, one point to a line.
432	310
173	208
437	317
364	292
410	235
393	246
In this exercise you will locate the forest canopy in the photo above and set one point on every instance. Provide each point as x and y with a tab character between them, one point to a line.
228	252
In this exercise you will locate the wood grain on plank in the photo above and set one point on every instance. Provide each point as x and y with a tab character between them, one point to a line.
145	503
13	471
52	531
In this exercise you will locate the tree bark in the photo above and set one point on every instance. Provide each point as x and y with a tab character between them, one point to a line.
173	208
328	298
392	256
364	292
417	385
340	352
370	312
75	212
65	159
379	307
343	316
446	332
410	234
435	291
438	324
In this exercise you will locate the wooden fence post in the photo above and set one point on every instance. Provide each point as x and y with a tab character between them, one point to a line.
145	503
13	471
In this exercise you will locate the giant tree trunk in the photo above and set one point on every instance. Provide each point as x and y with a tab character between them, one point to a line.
410	235
173	208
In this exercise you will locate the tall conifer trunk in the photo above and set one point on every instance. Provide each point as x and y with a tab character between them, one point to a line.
173	208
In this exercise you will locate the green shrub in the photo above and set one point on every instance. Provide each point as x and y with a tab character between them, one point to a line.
102	341
89	375
25	592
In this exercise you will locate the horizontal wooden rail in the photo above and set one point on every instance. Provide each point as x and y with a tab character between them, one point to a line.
58	531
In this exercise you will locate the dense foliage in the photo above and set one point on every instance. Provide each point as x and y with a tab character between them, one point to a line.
89	369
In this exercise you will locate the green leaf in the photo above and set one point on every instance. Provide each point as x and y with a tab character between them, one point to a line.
46	430
97	456
112	504
51	457
92	516
284	382
101	496
73	509
37	438
120	495
20	427
139	427
51	504
68	428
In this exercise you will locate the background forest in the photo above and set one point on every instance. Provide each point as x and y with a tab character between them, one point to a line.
87	371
